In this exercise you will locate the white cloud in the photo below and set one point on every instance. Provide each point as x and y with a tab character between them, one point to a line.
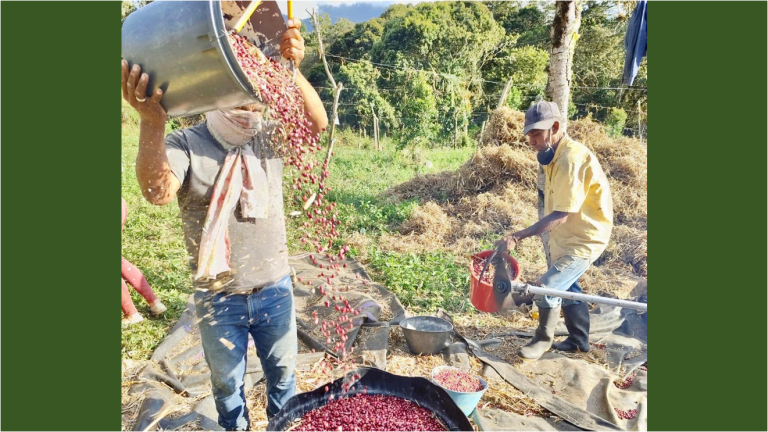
347	2
300	8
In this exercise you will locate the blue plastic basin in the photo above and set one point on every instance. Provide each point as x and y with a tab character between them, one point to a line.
467	402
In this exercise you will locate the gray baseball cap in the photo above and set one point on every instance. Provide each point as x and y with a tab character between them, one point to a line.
541	115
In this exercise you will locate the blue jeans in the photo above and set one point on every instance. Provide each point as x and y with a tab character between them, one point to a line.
564	276
226	321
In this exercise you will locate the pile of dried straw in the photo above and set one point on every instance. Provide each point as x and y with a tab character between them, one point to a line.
505	126
494	193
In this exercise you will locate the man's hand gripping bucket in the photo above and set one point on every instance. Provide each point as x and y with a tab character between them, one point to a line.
496	296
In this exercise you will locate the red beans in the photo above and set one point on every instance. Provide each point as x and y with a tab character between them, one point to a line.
458	381
370	413
626	383
477	266
626	415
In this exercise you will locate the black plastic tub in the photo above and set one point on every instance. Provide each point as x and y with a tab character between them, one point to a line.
377	382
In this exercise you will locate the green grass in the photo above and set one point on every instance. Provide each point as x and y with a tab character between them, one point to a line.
153	239
424	281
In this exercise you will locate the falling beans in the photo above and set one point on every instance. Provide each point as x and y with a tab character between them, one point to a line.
293	137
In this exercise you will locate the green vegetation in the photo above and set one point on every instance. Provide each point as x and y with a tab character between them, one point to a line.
154	242
434	69
431	72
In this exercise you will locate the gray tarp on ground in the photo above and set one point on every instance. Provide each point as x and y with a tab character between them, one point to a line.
581	393
177	377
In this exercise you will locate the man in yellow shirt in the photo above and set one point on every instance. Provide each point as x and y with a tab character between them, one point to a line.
579	217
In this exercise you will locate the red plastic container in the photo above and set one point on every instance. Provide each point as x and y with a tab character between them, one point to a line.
481	293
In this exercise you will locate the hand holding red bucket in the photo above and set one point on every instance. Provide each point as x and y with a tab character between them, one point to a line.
481	292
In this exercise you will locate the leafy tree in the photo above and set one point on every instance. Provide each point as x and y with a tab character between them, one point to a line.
515	99
330	32
417	107
360	94
615	122
126	9
533	22
455	109
525	65
598	64
129	7
358	42
453	39
448	37
396	11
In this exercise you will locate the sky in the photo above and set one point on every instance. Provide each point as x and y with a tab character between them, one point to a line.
300	7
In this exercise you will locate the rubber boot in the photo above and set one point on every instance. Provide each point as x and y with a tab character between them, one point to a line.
544	335
577	323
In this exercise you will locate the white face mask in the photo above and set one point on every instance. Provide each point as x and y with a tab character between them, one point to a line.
244	119
234	127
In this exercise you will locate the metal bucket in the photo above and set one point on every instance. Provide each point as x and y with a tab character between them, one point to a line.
376	382
426	334
183	47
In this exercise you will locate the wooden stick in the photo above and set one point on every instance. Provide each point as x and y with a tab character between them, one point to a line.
504	93
247	15
336	92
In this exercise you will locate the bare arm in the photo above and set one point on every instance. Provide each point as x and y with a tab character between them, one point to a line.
292	47
546	224
312	104
158	183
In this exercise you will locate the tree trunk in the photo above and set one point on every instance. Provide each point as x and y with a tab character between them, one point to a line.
455	128
336	93
565	28
375	129
482	133
466	124
334	116
504	93
335	111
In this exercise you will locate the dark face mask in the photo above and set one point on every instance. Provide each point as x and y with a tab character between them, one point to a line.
546	156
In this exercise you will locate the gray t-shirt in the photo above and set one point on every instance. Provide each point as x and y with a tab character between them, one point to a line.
259	251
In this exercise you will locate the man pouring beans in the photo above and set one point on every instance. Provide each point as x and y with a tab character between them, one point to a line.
242	283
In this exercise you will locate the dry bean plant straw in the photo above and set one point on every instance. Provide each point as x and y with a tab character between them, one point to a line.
294	141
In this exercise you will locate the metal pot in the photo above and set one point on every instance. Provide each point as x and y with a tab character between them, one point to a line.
183	47
426	334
